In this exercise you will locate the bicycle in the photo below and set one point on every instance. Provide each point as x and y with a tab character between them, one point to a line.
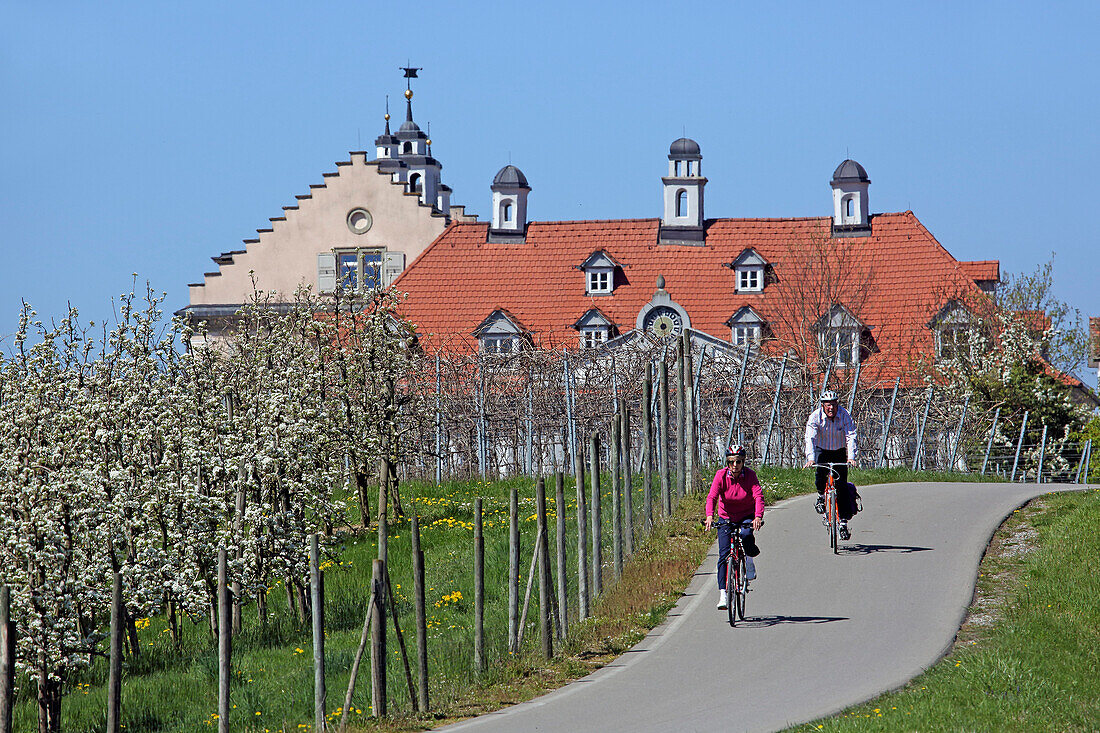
831	518
737	584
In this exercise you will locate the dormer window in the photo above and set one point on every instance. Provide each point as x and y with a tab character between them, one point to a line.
501	333
599	281
748	271
499	344
841	345
599	273
593	337
839	337
595	329
955	332
750	279
746	327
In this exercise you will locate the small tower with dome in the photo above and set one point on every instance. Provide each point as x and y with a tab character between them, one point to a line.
851	212
510	191
682	221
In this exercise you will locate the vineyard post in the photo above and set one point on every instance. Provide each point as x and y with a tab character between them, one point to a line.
1042	454
1019	446
989	445
357	659
596	514
530	428
616	500
614	387
662	441
438	423
775	412
828	372
1088	461
421	613
855	384
224	644
647	450
889	422
317	598
563	578
582	540
114	674
378	640
628	484
680	420
737	394
513	572
229	401
383	510
958	435
917	462
479	590
697	406
546	631
689	418
578	459
1081	462
7	661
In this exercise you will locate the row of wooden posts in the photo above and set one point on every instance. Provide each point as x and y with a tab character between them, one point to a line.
553	598
673	482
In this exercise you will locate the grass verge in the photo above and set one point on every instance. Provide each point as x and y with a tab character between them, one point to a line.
1027	656
174	689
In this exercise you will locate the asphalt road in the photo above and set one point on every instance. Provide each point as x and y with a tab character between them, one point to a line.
822	631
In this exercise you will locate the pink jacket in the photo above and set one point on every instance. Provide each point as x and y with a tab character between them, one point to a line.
738	498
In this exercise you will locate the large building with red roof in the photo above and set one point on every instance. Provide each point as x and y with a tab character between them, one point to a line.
853	287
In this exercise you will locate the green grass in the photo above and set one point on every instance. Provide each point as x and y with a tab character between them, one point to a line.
166	689
1035	669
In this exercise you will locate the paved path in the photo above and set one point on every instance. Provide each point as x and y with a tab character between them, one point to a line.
822	632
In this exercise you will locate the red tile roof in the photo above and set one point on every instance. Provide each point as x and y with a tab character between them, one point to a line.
461	278
977	270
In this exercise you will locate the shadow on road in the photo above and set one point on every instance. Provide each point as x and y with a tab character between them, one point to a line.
765	621
858	549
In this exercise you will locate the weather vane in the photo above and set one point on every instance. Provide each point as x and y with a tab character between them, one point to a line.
410	73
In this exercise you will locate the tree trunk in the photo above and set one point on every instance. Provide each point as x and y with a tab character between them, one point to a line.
361	482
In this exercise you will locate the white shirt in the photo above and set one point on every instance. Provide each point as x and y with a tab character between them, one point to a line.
826	434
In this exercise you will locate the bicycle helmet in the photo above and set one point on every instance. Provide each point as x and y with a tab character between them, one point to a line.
735	450
829	396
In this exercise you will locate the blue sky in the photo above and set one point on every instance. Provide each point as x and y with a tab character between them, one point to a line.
147	137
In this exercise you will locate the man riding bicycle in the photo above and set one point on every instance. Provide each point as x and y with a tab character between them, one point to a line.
831	438
737	496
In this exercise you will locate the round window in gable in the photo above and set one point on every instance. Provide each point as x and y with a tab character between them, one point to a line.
359	221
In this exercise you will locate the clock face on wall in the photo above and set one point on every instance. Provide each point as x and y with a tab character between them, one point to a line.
663	322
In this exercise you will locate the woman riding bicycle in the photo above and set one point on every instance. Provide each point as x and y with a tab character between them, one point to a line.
737	496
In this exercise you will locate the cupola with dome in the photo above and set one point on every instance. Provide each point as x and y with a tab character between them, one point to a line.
851	212
682	220
510	191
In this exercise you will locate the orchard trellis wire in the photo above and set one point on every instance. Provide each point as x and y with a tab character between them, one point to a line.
530	412
190	485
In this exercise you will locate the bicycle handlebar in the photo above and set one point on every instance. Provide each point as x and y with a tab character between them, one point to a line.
829	467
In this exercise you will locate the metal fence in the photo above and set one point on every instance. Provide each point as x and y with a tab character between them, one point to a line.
530	412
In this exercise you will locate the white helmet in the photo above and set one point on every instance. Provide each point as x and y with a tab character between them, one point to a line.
829	396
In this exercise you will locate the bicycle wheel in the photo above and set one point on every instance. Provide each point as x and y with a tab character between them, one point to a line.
830	514
731	586
742	587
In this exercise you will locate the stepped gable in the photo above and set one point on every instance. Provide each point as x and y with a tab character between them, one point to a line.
462	277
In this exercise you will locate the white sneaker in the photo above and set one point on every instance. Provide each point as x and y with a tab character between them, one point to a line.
750	569
723	600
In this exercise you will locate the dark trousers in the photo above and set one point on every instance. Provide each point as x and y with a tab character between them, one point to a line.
840	455
747	539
